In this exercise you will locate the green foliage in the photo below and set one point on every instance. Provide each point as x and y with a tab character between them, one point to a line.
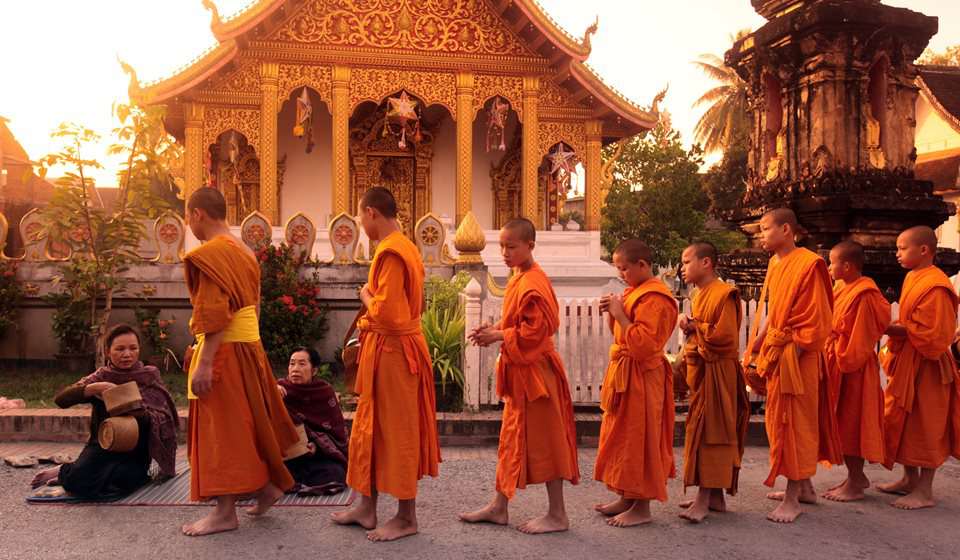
104	239
949	57
725	181
155	332
10	294
726	116
444	327
657	197
445	294
70	322
572	216
290	313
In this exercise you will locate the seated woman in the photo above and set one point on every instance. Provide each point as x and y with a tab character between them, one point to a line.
313	403
102	474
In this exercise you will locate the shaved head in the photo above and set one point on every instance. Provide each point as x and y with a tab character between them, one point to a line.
704	250
211	201
850	252
634	251
381	200
523	227
922	236
782	216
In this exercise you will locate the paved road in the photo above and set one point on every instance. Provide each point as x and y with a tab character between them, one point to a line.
870	529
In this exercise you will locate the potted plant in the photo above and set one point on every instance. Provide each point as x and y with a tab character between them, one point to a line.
155	333
71	326
443	327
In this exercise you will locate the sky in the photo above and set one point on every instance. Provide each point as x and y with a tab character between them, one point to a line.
58	58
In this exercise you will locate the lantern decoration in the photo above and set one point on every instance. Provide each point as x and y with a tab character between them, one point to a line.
233	156
403	117
497	124
562	164
303	125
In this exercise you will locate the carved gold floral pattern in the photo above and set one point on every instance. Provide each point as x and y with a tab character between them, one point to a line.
552	95
218	120
571	133
374	84
508	87
295	76
245	79
455	26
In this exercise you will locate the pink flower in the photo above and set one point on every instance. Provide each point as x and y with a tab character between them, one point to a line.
292	308
286	300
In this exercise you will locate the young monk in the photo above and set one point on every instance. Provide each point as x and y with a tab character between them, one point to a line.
538	435
635	456
393	442
860	316
922	399
719	405
238	427
800	424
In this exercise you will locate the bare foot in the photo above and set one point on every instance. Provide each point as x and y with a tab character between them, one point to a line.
696	512
786	512
396	528
901	487
266	497
546	524
490	514
615	507
361	515
45	477
806	496
717	503
636	515
848	491
211	524
914	500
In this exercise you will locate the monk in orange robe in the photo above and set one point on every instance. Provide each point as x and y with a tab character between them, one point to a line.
238	426
719	406
393	441
922	399
635	456
800	422
538	439
860	316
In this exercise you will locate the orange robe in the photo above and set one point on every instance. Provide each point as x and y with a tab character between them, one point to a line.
538	437
635	456
393	441
922	399
800	421
860	316
239	430
719	406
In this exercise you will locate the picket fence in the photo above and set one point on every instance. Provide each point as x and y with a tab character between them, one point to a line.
583	341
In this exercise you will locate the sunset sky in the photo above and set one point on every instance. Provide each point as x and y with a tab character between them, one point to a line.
58	58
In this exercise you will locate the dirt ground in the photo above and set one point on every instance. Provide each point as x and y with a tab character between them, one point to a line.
868	529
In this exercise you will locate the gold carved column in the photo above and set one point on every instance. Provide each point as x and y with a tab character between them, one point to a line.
340	181
269	72
531	155
592	164
465	116
193	149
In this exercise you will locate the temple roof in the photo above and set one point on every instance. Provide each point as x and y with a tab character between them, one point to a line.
13	152
941	86
943	172
542	37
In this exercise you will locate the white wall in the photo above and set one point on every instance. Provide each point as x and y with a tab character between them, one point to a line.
482	193
306	183
443	170
934	134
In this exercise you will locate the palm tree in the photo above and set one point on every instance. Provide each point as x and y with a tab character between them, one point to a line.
726	117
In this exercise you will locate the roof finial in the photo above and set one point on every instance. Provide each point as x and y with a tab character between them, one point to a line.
133	88
590	31
215	20
658	99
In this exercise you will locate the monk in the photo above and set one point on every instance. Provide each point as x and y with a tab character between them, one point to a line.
537	437
922	401
238	427
860	316
635	455
719	406
789	351
393	442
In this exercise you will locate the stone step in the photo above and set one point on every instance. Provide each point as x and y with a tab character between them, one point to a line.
455	429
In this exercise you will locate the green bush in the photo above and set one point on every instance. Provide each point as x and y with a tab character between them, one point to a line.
443	326
10	294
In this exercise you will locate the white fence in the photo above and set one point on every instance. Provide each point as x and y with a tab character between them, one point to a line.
583	341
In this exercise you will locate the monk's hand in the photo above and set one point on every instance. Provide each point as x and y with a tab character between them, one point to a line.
283	391
605	302
488	336
366	296
97	389
202	378
687	324
188	357
615	306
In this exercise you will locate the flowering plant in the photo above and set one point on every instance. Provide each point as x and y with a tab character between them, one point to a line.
291	314
156	334
10	294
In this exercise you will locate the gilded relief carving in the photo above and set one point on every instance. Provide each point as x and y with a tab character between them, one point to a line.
508	87
218	120
294	76
375	84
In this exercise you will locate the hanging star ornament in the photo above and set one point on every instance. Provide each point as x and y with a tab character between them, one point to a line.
562	160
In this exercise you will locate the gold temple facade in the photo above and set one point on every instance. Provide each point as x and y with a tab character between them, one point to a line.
236	109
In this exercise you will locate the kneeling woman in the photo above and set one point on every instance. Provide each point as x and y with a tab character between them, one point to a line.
101	474
313	403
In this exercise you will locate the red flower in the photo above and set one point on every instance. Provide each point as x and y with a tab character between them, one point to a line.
286	300
292	308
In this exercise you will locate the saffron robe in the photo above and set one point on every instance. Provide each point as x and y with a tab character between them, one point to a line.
538	437
922	399
239	430
860	316
635	456
719	405
800	421
393	441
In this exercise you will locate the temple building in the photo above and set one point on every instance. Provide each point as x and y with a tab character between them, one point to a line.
458	106
938	139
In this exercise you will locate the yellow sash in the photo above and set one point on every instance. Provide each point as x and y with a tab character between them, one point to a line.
244	327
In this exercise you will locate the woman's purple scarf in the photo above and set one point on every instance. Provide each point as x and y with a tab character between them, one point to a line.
158	404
